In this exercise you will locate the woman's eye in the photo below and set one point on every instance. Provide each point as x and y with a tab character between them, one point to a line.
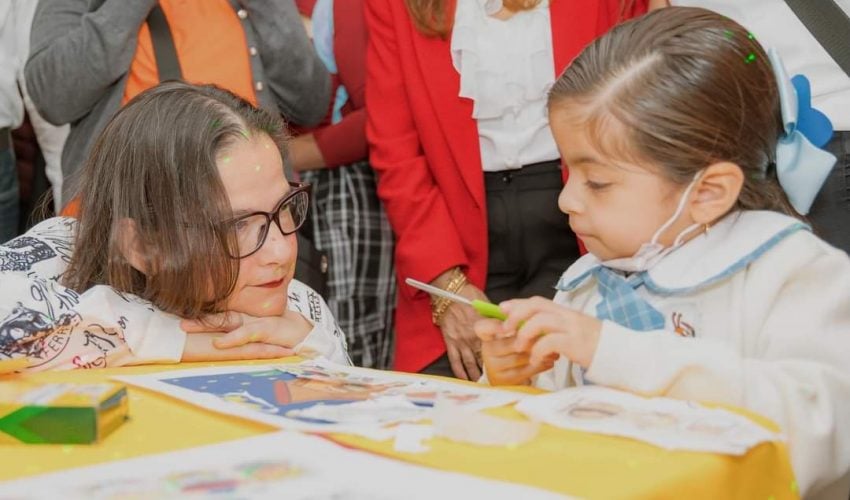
597	186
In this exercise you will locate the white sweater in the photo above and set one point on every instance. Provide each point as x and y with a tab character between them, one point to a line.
757	316
102	327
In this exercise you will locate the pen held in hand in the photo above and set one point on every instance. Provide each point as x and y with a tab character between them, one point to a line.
483	308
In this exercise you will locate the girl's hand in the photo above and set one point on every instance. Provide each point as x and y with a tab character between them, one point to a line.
544	329
503	364
238	333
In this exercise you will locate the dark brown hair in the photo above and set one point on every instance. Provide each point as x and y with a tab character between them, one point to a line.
682	88
155	165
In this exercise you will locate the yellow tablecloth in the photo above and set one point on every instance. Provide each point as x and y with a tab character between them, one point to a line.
574	463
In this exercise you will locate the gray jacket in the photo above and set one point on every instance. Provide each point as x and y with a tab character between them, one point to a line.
81	53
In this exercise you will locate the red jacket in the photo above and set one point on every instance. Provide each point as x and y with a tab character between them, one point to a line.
424	146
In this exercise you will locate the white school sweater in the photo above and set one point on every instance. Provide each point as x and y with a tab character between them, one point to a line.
757	316
102	327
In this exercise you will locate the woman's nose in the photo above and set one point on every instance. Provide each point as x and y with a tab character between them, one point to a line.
279	248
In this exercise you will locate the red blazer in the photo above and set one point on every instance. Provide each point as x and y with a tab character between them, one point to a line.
424	146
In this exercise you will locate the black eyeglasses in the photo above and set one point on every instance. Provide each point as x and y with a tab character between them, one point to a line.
252	230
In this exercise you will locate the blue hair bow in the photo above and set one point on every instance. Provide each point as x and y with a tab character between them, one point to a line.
802	166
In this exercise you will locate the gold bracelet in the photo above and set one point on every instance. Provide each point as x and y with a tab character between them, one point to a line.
439	305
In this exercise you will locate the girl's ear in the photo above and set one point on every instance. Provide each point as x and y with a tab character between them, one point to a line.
716	193
130	245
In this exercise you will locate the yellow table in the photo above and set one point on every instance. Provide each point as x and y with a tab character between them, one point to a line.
574	463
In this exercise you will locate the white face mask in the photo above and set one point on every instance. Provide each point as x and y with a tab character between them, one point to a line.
651	253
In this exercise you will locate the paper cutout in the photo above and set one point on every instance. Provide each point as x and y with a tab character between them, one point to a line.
279	465
668	423
319	396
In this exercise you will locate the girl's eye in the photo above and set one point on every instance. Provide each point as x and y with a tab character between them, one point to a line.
597	186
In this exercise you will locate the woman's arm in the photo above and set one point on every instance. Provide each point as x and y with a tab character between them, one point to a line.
415	204
344	143
57	328
76	55
295	74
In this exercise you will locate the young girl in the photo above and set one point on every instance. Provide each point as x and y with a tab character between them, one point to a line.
702	282
185	214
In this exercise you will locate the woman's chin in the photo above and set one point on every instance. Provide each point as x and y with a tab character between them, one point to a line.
258	306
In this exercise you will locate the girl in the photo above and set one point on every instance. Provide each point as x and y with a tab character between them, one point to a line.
185	213
467	166
702	282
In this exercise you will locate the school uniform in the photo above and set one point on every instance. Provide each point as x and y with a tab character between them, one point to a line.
58	328
755	313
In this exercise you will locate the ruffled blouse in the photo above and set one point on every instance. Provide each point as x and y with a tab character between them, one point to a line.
507	68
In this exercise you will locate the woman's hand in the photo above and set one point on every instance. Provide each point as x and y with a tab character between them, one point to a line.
462	345
502	362
240	336
544	329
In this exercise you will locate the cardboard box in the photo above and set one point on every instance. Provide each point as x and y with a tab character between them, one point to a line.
32	412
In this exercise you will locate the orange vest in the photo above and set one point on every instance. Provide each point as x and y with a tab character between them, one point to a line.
211	48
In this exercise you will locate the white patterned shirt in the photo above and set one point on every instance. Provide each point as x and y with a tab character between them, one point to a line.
58	328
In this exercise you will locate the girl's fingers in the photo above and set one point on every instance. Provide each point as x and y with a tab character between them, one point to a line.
252	333
548	349
519	310
538	325
499	347
488	329
514	376
501	363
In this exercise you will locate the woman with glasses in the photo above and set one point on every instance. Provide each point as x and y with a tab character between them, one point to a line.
184	248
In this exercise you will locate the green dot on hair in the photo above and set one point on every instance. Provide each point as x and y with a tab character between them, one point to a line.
750	58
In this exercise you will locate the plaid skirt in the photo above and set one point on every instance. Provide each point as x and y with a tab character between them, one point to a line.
351	227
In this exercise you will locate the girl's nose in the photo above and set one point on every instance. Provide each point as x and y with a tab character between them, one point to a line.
569	201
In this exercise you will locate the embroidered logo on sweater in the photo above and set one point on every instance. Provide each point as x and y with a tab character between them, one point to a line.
682	327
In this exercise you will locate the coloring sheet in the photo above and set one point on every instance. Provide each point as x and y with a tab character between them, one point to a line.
278	465
319	396
668	423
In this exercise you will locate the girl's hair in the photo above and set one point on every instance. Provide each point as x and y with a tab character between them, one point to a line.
681	88
154	168
436	17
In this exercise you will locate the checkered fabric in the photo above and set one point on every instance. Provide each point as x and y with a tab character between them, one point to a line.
621	302
350	225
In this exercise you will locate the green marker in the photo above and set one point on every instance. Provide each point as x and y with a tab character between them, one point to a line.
485	309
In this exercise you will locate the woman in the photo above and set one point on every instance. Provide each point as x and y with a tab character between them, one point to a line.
185	214
468	169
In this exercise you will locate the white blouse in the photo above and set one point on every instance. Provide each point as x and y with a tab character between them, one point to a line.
775	25
506	68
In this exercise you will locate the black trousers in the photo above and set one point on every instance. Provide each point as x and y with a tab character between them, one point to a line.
530	243
830	214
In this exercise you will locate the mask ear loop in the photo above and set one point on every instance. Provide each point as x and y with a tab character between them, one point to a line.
679	209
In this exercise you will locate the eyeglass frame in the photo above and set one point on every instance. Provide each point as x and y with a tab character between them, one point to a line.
274	215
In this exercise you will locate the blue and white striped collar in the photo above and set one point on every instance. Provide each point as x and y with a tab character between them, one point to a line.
733	243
